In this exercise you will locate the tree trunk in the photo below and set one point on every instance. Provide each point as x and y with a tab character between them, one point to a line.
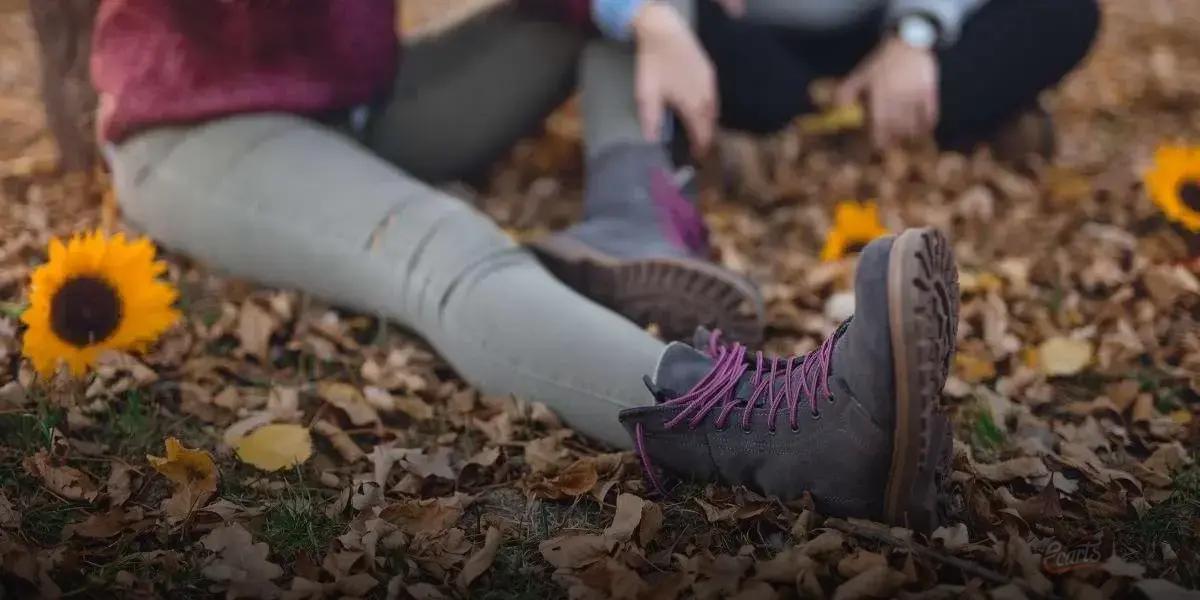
64	33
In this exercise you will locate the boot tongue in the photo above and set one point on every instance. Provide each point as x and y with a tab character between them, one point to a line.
679	369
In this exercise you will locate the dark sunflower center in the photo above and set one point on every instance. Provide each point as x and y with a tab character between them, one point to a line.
84	311
1189	192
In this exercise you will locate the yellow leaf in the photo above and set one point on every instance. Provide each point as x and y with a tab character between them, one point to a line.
972	282
1029	358
854	223
974	369
186	467
193	473
1066	185
273	447
834	120
1064	356
1181	416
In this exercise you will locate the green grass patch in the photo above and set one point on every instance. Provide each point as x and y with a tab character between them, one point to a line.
13	310
32	431
1175	521
297	524
43	523
985	434
132	425
185	582
518	573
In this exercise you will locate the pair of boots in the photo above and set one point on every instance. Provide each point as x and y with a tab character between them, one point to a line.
857	422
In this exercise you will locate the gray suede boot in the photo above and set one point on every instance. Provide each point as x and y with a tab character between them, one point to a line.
642	250
856	422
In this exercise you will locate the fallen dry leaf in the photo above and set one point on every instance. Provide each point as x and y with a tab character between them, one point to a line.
879	581
652	521
340	440
610	578
254	328
434	464
424	591
1119	567
1025	467
485	458
408	404
1064	356
722	576
574	551
481	561
193	474
952	537
66	481
546	455
276	446
1161	589
629	515
860	562
104	525
239	563
351	401
575	480
120	477
426	516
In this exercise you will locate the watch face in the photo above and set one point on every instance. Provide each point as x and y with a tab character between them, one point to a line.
918	32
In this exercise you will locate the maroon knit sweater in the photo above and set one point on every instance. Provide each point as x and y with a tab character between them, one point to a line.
159	62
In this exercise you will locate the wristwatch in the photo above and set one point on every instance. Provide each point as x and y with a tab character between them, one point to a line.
917	31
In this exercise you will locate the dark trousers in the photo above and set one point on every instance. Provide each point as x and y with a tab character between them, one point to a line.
1009	52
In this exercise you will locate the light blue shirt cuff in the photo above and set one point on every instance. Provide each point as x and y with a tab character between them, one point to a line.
614	18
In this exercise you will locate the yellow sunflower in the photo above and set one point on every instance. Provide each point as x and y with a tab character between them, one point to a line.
96	293
854	224
1174	184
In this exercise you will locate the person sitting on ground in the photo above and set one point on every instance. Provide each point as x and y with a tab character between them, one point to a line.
962	72
276	142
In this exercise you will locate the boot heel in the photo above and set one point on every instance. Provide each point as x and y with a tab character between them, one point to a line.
923	316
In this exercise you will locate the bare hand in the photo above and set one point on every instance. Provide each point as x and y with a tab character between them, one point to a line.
900	86
673	72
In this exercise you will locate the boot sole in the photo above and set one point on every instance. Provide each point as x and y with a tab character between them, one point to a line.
676	294
923	316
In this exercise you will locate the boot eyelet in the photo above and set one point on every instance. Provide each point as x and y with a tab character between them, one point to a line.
795	428
772	431
747	430
816	415
721	427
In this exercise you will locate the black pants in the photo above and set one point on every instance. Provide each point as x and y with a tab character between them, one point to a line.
1009	51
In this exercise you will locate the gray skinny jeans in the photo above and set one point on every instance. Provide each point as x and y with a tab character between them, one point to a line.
285	201
343	213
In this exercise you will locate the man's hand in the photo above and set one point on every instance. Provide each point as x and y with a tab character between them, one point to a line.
899	84
673	72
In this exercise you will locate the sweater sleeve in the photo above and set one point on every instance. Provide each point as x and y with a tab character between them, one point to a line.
614	18
949	15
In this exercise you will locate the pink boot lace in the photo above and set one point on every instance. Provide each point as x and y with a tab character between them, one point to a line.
804	376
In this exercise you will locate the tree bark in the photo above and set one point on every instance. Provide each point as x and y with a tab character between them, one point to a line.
64	34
